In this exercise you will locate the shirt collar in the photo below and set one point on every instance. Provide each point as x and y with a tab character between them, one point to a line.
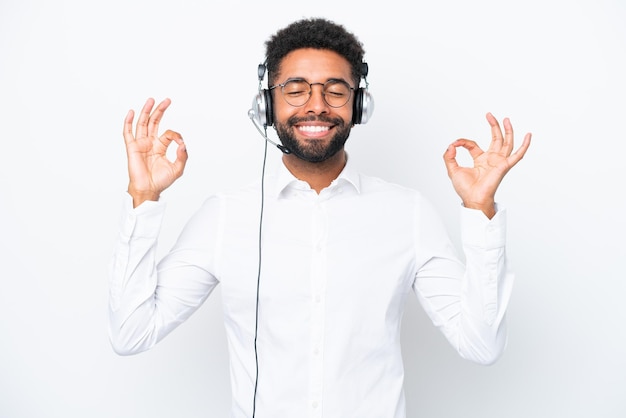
283	181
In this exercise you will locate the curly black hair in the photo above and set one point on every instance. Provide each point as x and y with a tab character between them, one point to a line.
315	33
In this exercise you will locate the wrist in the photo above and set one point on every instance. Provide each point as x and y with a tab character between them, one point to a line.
488	208
141	196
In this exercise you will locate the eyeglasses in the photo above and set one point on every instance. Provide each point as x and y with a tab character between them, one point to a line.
297	92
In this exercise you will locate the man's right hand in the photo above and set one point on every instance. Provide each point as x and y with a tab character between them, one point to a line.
150	171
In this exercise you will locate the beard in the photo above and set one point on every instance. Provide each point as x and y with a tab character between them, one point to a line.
313	151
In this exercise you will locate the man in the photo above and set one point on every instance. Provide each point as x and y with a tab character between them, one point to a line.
314	289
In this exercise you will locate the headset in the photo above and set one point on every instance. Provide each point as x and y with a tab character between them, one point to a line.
262	112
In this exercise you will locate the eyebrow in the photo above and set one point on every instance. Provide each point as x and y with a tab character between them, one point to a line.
327	80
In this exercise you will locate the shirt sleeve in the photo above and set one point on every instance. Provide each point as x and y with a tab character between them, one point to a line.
147	300
467	300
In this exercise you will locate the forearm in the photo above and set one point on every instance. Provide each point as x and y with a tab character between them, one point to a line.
487	287
148	300
460	313
468	301
133	281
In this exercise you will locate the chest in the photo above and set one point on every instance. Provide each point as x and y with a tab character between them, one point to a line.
351	255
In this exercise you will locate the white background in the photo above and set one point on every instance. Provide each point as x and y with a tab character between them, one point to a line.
70	70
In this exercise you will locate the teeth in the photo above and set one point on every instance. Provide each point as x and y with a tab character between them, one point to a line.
309	128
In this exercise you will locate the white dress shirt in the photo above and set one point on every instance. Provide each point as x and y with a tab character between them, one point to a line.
336	269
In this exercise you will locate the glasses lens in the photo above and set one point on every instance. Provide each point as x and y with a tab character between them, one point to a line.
337	93
297	92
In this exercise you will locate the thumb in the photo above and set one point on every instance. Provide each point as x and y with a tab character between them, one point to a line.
449	158
181	158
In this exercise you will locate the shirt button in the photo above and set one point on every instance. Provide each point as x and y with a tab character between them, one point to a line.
318	298
316	351
315	404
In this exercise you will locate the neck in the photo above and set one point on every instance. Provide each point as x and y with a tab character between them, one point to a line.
318	175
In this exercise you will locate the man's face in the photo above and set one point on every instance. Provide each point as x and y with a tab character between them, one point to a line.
314	131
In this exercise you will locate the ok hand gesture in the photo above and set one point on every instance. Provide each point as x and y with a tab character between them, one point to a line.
150	171
477	185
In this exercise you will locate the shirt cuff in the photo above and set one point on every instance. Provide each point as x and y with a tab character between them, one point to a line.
479	231
144	221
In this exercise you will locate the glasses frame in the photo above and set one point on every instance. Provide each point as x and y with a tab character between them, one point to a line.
332	80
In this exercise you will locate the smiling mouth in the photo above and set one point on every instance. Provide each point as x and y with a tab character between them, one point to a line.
313	128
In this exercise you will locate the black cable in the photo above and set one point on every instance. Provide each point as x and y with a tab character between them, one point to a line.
258	280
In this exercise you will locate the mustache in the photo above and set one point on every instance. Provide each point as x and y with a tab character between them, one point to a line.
314	118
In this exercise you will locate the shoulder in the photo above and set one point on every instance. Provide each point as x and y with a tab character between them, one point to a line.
397	198
236	197
371	185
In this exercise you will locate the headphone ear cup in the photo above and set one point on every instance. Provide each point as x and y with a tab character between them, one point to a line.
363	106
269	108
357	108
262	108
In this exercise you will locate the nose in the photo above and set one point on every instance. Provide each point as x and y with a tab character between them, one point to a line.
317	103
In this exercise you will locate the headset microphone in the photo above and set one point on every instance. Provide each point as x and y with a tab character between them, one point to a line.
252	116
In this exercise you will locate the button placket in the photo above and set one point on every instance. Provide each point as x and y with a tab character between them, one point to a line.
319	235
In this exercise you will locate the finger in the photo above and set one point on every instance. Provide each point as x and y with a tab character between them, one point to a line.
496	133
156	116
128	127
169	136
144	117
521	151
471	146
166	140
508	136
